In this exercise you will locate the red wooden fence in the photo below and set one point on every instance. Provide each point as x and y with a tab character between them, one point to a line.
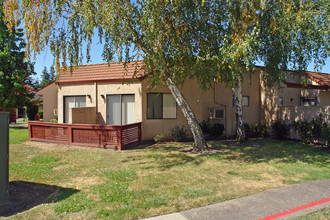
105	136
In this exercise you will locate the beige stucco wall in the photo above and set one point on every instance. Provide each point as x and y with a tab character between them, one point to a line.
302	113
95	90
75	90
292	96
201	103
49	97
116	89
324	98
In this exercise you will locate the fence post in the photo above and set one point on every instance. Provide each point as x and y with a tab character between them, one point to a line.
69	135
139	133
120	137
30	130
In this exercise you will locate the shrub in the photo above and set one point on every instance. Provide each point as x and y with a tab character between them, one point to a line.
41	114
216	130
32	111
280	129
205	126
311	131
316	126
213	129
256	130
179	133
325	134
53	120
159	138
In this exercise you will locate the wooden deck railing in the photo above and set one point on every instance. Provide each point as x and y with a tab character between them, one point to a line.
105	136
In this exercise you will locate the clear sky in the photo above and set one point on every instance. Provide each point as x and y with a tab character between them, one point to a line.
46	59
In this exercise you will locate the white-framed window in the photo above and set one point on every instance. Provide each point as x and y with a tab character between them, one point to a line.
305	101
215	113
120	109
281	101
161	106
245	101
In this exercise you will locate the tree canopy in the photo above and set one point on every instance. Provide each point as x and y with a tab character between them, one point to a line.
180	40
47	77
14	69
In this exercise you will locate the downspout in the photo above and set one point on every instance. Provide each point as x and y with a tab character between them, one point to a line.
215	102
96	104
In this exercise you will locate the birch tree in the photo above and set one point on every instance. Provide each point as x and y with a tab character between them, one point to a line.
163	33
282	34
180	40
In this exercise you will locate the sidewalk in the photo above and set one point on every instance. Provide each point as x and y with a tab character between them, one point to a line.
283	203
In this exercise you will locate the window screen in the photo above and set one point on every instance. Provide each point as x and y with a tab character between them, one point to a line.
245	101
308	102
281	101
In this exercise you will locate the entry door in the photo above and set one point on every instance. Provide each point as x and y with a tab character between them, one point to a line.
120	109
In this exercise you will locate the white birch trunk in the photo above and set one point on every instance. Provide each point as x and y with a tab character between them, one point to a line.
199	140
240	133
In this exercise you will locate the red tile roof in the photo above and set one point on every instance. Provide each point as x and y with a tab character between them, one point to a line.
321	78
101	72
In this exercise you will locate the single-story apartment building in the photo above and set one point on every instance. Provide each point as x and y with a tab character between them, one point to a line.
47	97
106	94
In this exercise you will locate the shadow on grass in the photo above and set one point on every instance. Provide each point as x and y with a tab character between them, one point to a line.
17	127
26	195
168	155
271	150
164	156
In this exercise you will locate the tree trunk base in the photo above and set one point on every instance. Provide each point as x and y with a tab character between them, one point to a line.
200	148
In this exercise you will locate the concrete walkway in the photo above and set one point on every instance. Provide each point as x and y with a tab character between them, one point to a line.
283	203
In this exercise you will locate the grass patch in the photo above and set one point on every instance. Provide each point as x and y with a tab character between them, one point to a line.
18	135
160	179
195	193
74	203
321	215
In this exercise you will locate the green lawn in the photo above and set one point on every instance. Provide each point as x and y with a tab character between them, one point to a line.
18	135
160	179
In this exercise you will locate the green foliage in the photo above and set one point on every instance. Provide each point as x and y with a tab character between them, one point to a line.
325	134
280	129
53	120
256	130
179	133
15	70
47	77
31	111
159	138
212	129
41	114
311	131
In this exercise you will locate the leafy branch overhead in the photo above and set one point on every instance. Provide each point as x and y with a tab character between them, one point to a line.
182	40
